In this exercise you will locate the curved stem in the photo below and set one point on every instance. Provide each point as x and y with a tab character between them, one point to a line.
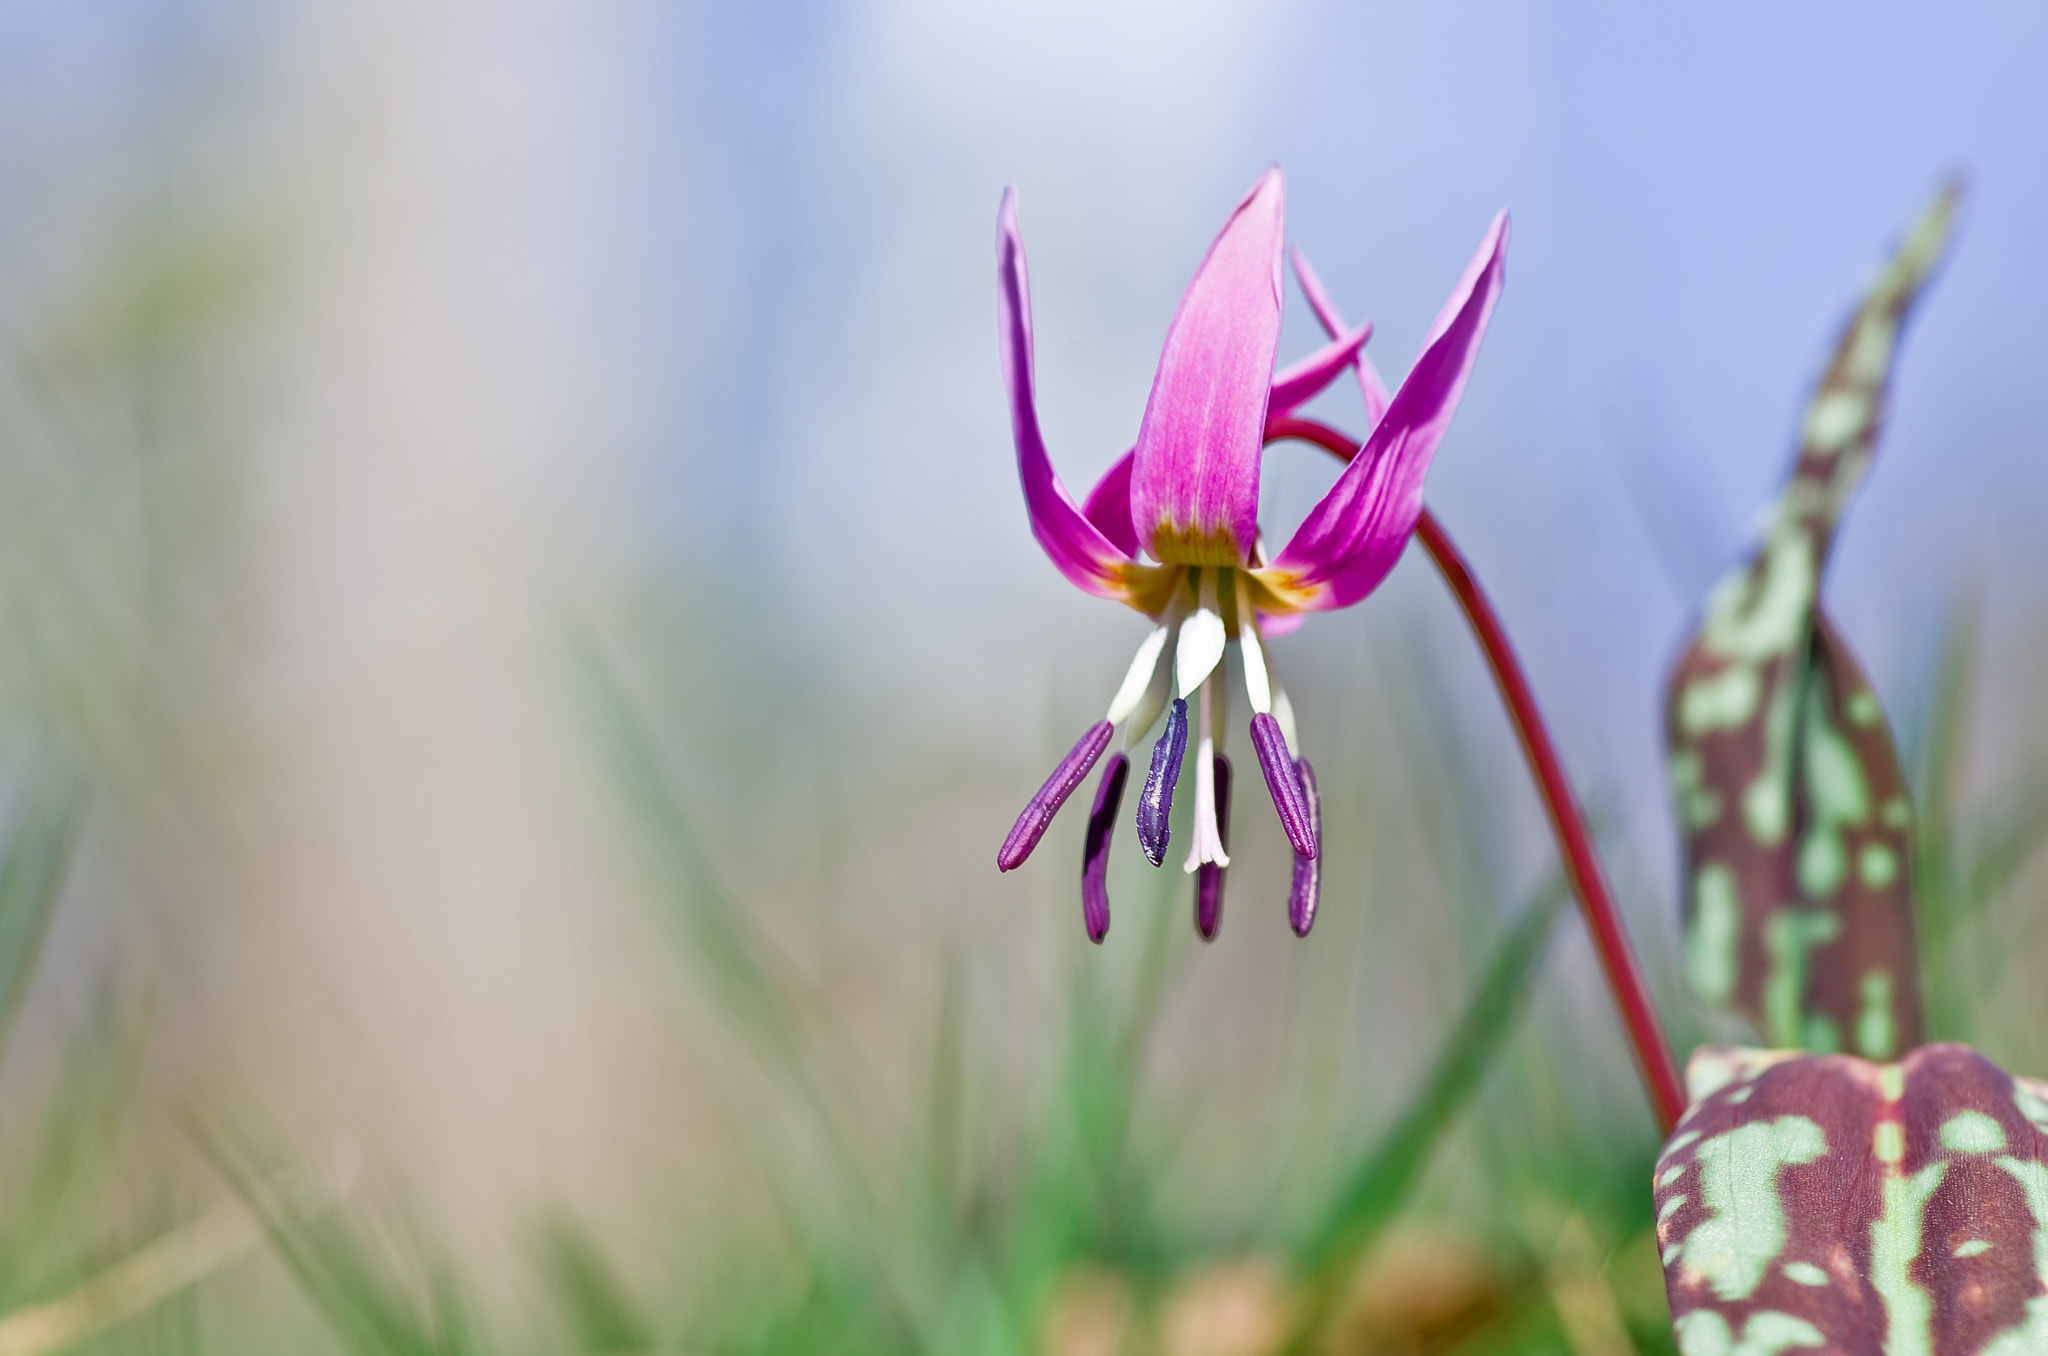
1603	918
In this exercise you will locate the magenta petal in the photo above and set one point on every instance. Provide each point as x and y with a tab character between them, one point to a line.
1317	295
1209	876
1195	481
1278	765
1109	506
1307	889
1354	535
1109	794
1089	560
1037	816
1307	378
1326	313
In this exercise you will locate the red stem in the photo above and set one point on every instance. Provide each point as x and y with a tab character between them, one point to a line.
1567	821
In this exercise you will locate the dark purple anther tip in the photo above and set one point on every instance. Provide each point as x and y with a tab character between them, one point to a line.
1307	890
1278	765
1155	802
1037	816
1209	876
1109	794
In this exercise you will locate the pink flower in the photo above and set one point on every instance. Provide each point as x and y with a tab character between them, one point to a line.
1187	494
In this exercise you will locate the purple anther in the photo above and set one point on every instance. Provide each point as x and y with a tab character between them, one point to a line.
1278	765
1109	794
1307	890
1209	876
1037	816
1155	802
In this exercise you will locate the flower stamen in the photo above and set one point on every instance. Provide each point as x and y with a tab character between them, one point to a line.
1307	889
1138	681
1276	760
1202	638
1283	711
1109	795
1208	845
1038	813
1209	879
1258	686
1139	700
1158	689
1155	802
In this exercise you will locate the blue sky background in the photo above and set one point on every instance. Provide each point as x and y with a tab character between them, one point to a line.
1698	196
783	209
754	242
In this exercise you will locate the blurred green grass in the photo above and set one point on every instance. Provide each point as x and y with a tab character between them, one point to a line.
1461	1212
1458	1215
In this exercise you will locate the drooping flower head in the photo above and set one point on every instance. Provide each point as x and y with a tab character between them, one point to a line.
1171	530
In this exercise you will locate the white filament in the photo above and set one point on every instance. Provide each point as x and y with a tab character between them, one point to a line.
1283	711
1257	684
1157	693
1201	640
1140	676
1208	845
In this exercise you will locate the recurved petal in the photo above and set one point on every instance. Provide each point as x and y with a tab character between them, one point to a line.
1306	379
1332	321
1354	535
1108	506
1825	1202
1089	559
1195	477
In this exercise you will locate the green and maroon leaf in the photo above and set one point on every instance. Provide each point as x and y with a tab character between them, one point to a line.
1858	989
1792	811
1826	1203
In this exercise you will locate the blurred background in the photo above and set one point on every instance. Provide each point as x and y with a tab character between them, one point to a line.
519	641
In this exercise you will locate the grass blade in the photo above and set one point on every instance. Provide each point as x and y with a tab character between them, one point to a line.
1367	1196
137	1283
33	861
602	1317
377	1300
726	955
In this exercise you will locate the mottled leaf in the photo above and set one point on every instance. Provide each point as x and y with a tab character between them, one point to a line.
1793	813
1826	1203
